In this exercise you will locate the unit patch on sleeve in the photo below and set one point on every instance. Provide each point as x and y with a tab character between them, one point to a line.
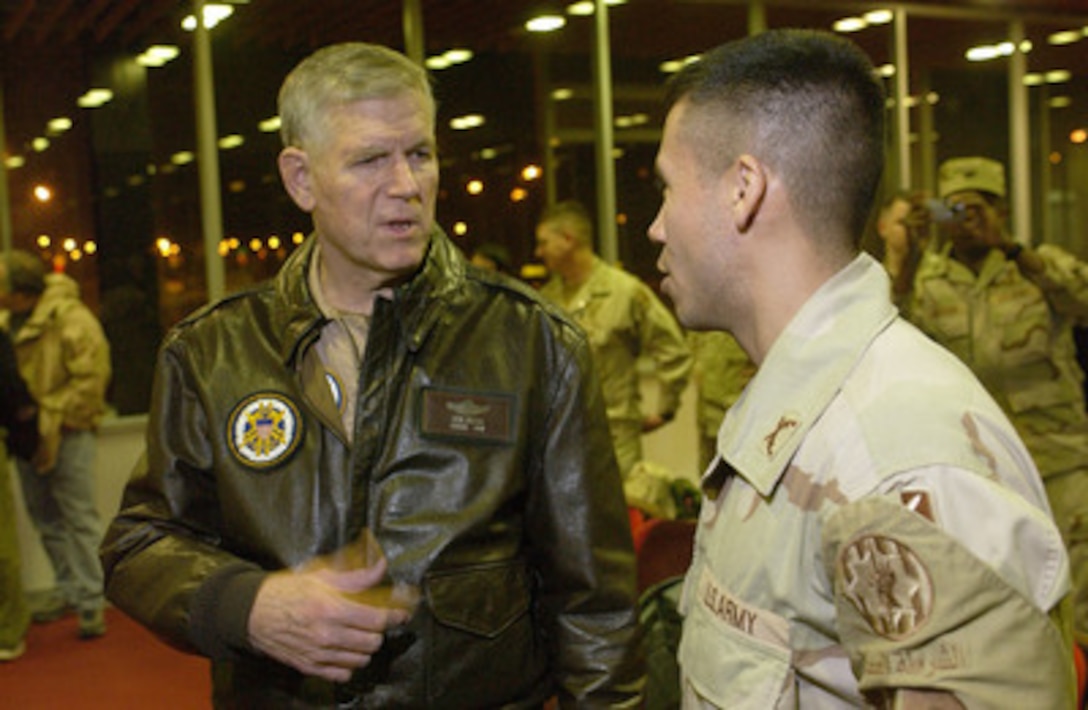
456	414
888	584
264	430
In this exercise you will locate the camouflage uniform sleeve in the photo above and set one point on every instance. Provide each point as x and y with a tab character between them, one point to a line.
924	619
664	342
1064	282
913	305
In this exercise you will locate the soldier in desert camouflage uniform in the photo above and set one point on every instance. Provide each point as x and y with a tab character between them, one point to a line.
1007	310
721	371
624	321
873	532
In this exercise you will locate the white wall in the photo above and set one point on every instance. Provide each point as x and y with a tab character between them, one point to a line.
675	445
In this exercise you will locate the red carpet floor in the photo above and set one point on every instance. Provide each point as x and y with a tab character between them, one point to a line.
127	669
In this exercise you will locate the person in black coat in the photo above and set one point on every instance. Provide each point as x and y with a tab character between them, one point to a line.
19	418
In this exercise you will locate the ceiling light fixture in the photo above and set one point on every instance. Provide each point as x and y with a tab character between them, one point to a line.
466	122
674	65
546	23
157	55
878	17
59	125
95	98
850	24
214	13
1066	37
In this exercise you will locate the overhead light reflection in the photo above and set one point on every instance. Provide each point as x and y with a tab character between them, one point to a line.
214	13
1066	37
878	17
466	122
849	24
59	125
674	65
95	98
157	55
546	23
232	141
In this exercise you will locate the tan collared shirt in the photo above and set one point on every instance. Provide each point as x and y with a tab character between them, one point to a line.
341	348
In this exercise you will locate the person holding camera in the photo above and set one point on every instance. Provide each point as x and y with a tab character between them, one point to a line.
1008	309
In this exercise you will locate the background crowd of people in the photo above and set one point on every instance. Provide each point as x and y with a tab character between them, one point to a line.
394	476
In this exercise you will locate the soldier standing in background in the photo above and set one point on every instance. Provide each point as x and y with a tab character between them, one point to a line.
624	320
1008	309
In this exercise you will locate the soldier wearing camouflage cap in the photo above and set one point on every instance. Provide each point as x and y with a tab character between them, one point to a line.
1007	309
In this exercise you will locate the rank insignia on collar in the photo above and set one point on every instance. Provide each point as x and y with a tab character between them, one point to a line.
264	430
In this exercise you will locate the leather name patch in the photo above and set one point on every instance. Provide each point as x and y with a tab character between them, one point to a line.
458	414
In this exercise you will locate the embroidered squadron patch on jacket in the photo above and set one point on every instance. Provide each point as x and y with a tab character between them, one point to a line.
264	430
456	414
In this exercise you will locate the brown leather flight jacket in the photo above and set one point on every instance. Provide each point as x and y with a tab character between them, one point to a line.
482	462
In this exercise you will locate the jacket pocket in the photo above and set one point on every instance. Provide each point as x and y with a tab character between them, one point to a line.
733	655
482	600
484	650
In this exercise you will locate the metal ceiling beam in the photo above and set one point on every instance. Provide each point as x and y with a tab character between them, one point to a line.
53	16
118	13
18	19
90	13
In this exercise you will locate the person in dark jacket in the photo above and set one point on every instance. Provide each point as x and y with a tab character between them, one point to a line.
19	436
383	480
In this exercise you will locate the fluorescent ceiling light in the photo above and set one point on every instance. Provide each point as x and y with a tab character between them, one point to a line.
849	24
214	13
464	123
59	125
545	23
95	98
448	58
1066	37
232	141
157	55
878	17
674	65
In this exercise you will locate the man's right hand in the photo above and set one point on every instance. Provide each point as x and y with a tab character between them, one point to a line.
311	619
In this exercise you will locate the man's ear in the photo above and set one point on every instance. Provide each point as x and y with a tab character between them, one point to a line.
294	164
749	189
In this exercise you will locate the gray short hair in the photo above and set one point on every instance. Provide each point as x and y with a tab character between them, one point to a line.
341	74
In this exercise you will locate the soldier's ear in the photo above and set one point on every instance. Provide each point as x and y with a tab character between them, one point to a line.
294	165
749	189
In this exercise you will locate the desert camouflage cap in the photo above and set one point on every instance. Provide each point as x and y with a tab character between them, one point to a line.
973	173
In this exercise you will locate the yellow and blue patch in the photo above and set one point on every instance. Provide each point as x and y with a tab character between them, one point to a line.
264	430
